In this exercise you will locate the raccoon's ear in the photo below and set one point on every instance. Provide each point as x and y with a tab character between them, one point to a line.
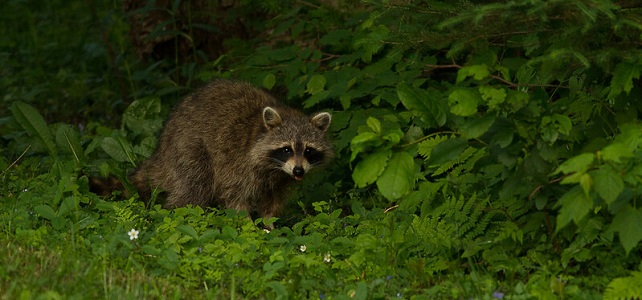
321	121
271	118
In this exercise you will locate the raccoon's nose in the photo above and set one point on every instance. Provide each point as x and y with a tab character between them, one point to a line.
298	172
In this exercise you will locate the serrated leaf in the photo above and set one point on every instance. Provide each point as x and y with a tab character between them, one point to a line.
463	102
68	139
615	151
368	170
579	163
574	206
422	103
316	84
607	184
478	72
398	177
627	224
34	124
492	96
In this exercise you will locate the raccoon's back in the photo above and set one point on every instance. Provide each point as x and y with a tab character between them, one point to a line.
224	114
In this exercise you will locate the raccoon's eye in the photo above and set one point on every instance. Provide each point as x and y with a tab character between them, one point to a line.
287	150
308	151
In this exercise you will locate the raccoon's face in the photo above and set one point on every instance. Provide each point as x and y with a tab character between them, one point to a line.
298	142
297	159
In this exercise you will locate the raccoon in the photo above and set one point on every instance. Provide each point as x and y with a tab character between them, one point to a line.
233	145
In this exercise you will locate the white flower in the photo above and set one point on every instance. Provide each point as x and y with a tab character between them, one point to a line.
327	258
303	248
133	234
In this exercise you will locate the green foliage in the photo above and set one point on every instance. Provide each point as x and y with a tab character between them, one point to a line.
484	150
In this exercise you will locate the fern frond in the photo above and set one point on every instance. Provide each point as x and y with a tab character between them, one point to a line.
625	287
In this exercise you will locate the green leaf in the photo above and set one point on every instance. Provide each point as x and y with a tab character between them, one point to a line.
187	230
447	150
579	163
269	81
369	169
68	139
374	124
492	96
425	104
143	116
45	211
478	72
34	124
623	77
463	102
473	129
627	224
615	151
574	206
608	184
398	177
362	141
316	84
118	148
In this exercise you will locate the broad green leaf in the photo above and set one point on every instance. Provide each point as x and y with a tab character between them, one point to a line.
143	116
478	72
425	104
615	151
363	140
118	148
45	211
316	84
398	177
627	224
269	81
574	206
579	163
463	102
368	170
474	128
68	139
447	150
623	77
34	124
188	230
608	184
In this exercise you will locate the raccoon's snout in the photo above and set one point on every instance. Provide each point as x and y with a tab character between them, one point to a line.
298	173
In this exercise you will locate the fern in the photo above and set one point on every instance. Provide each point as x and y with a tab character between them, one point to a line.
455	224
625	287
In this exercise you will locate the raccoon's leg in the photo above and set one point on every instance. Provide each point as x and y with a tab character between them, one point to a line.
190	181
272	207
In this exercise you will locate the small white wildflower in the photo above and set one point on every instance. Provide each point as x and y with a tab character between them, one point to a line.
133	234
266	230
327	258
303	248
25	190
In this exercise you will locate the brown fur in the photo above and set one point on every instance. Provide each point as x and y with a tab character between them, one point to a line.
215	149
